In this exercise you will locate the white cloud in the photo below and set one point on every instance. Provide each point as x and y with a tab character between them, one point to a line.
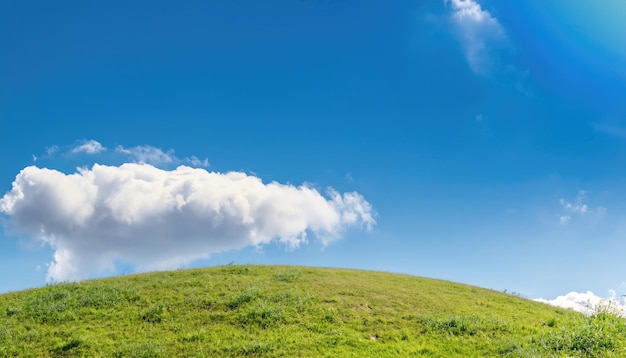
610	129
147	154
485	44
479	33
160	219
588	302
197	162
89	147
578	207
51	150
470	9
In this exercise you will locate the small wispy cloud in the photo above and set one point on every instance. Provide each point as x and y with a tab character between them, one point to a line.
85	146
50	151
88	147
197	162
610	129
142	154
482	126
578	207
147	154
479	32
588	302
485	44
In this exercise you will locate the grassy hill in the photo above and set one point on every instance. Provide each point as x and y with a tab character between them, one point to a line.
241	310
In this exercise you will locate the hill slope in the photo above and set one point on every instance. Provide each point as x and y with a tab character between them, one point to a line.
241	310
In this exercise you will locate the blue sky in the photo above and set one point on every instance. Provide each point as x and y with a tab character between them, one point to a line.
475	141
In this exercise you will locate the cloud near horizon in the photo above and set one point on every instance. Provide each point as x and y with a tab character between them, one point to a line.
163	219
587	302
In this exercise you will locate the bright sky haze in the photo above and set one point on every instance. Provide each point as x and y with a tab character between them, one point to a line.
475	141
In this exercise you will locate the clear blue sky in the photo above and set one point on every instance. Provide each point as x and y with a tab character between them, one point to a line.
486	139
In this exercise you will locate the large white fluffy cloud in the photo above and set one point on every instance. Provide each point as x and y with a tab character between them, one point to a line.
159	219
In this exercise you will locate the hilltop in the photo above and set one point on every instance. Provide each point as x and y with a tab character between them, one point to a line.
244	310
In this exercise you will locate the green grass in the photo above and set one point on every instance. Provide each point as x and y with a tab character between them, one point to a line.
275	311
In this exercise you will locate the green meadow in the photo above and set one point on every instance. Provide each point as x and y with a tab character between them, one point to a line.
279	311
